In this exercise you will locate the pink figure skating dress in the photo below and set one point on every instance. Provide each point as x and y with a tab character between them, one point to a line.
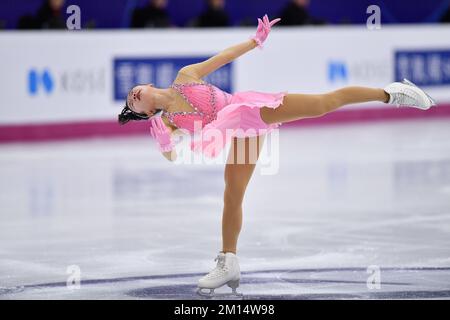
219	116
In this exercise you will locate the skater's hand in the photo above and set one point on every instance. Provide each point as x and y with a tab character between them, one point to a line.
263	30
161	133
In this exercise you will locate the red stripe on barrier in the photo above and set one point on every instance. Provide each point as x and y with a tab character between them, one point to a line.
69	130
88	129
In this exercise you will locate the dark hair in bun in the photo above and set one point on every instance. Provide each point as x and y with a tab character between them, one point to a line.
127	115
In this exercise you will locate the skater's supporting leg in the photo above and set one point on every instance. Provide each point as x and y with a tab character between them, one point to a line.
237	176
298	106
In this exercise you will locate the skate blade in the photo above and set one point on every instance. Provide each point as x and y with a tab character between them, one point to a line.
234	285
214	295
209	294
433	102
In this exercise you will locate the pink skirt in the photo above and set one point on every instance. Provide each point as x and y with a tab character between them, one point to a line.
240	118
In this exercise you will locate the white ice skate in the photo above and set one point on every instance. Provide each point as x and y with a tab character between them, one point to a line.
227	272
406	93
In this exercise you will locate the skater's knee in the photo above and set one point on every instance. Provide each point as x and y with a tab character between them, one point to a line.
333	99
236	178
326	103
234	195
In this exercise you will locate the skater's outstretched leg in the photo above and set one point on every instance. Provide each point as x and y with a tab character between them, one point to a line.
298	106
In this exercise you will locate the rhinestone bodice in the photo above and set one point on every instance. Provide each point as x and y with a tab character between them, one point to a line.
204	98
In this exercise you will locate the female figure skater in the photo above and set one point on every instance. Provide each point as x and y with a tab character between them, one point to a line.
190	100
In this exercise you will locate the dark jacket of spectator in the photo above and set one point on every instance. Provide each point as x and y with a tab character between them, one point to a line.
27	22
50	17
150	17
294	14
446	17
213	17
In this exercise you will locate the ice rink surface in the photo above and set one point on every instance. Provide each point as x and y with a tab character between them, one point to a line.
344	203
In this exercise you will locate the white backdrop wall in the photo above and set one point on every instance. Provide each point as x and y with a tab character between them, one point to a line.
69	76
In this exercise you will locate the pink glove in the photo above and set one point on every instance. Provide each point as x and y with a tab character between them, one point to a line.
161	133
264	27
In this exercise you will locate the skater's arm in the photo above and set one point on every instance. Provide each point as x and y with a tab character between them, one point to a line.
204	68
164	133
171	155
224	57
174	136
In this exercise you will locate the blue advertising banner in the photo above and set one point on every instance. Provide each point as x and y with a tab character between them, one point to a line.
423	67
129	72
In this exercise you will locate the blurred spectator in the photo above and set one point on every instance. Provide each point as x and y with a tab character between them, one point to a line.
214	15
27	22
153	15
49	16
296	13
446	16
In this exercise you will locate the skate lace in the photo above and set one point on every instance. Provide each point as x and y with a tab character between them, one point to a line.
220	268
406	97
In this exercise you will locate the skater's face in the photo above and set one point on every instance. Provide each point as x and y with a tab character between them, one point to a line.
140	100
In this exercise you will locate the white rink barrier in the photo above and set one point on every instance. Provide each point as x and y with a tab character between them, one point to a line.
70	76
